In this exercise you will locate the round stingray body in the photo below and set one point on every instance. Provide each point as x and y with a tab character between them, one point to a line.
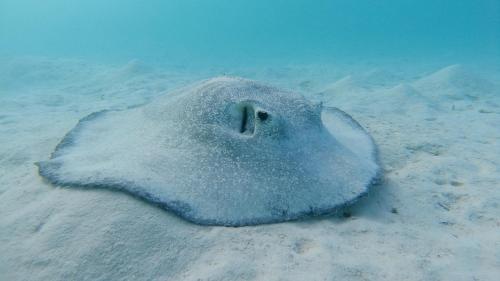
225	151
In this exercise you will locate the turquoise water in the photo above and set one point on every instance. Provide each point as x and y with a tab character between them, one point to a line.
229	31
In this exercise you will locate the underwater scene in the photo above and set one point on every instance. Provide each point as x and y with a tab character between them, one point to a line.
249	140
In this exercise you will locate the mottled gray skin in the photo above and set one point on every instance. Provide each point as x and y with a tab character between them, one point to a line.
225	151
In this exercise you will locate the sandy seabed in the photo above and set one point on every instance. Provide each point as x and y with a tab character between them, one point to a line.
434	216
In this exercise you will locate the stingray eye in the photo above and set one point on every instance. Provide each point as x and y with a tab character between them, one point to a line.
262	115
247	125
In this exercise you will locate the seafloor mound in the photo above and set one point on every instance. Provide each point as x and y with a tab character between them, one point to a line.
436	208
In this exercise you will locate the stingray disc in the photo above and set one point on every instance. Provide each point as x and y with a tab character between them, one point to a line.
225	151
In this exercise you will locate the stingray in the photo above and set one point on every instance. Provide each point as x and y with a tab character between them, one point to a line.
224	151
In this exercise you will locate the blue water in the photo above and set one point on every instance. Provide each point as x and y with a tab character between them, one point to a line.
224	31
